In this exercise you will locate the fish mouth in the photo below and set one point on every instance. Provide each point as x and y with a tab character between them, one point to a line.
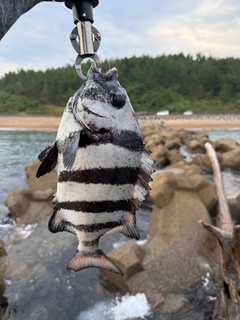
92	112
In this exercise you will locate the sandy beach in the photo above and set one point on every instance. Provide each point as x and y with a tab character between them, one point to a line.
177	122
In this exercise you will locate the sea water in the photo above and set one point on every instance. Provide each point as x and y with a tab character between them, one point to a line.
47	290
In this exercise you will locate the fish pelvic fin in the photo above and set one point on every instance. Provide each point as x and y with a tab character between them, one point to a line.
48	157
128	226
57	223
97	259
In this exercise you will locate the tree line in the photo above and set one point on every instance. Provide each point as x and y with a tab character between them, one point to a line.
174	82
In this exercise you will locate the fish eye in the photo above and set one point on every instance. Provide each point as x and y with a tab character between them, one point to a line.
117	100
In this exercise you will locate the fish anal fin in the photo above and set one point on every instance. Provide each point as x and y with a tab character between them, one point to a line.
57	223
83	260
70	150
49	158
128	226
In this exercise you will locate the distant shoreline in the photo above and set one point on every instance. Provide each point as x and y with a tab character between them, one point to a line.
50	123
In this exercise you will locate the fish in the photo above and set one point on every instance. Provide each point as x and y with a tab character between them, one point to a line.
103	168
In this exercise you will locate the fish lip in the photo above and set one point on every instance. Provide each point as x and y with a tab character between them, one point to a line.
89	111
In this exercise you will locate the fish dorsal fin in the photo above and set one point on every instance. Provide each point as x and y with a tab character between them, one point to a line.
144	177
95	75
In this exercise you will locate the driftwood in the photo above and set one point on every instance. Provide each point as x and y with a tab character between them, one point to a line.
227	305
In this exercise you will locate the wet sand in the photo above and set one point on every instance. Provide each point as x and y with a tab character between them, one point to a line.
52	123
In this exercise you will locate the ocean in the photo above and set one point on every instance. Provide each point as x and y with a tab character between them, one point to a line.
45	289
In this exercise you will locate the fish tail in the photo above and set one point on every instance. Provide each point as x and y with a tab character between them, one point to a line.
83	260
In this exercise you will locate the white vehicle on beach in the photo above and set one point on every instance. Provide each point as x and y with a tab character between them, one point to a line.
163	113
188	113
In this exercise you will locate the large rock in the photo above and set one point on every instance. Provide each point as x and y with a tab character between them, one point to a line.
188	169
196	146
164	183
18	201
160	155
48	181
153	141
203	162
29	204
180	251
162	191
3	253
173	144
224	145
230	159
233	199
129	258
174	156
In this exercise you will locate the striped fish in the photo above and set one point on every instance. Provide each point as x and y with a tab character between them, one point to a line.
103	168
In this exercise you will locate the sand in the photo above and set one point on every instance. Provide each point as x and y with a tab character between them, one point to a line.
52	123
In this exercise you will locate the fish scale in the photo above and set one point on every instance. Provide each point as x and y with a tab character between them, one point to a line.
103	168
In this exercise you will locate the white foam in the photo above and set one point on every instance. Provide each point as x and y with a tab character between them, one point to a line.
128	306
205	280
142	242
25	231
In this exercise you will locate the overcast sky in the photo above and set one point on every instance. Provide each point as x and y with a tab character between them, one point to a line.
40	38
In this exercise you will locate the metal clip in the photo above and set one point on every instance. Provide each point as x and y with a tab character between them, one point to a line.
85	40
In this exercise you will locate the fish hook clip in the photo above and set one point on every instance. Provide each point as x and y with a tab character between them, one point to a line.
84	38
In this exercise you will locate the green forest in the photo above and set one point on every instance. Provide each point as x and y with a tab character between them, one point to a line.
168	82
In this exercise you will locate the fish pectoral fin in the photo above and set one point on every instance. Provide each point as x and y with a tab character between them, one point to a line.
48	157
128	226
83	260
70	150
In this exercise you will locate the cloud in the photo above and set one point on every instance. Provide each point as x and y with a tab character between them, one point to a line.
193	33
40	38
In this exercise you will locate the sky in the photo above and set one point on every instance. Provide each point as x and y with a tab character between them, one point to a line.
40	38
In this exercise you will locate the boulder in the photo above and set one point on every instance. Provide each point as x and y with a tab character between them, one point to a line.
160	155
161	191
180	251
230	159
186	136
29	204
164	184
170	134
195	146
48	181
189	169
18	201
152	141
129	258
203	162
25	209
202	134
174	156
224	145
147	130
173	144
233	199
3	252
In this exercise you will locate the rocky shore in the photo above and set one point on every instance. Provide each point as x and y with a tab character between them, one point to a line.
179	252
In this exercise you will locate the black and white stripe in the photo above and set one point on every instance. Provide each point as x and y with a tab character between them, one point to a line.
96	206
112	176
